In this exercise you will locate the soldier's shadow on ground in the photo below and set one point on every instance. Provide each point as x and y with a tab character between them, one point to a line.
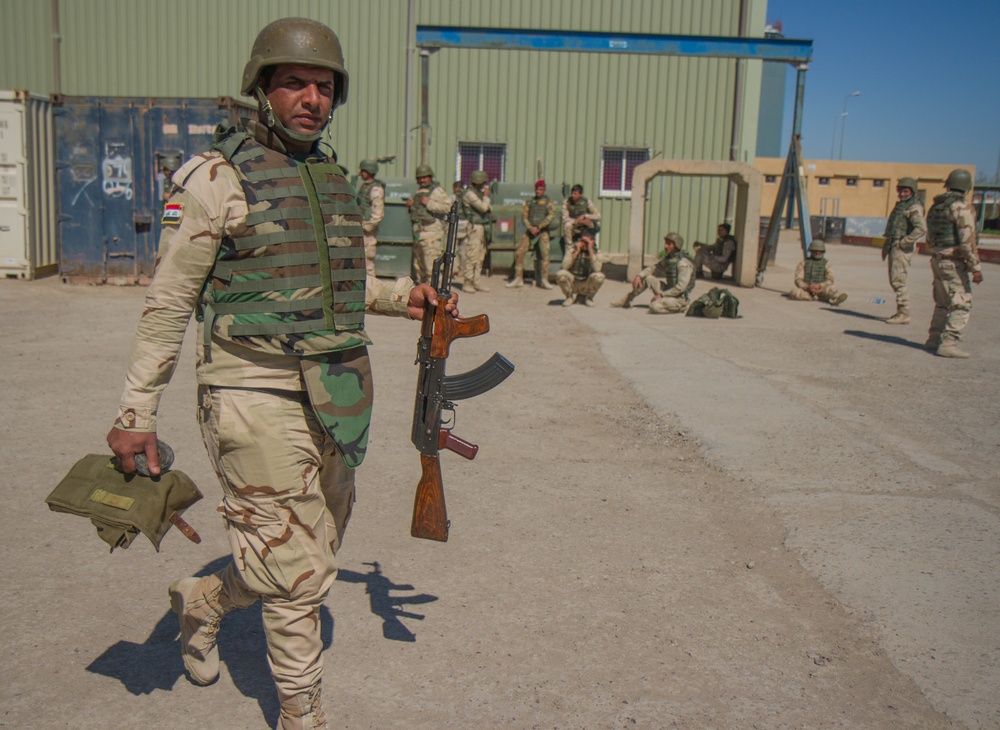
156	663
852	313
888	339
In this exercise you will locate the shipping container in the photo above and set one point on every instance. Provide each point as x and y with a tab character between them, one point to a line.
27	190
114	158
507	201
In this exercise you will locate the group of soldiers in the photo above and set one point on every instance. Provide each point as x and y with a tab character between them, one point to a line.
950	228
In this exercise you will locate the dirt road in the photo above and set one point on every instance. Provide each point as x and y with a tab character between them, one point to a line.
785	521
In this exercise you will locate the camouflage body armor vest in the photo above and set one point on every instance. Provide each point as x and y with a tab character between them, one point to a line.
815	271
898	225
538	210
365	198
673	272
940	226
419	213
467	212
295	278
578	208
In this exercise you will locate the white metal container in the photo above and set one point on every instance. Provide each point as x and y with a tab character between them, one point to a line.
28	246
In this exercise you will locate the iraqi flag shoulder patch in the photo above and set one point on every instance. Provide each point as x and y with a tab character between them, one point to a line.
172	214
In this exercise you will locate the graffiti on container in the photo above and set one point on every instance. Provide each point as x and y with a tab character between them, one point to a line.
117	171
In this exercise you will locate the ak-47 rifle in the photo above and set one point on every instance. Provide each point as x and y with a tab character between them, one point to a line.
436	392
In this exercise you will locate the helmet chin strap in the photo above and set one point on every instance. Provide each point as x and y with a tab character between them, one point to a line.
274	123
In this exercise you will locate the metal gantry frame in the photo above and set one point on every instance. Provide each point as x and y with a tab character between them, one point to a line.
432	38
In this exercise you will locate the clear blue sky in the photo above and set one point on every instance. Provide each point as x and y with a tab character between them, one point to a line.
928	74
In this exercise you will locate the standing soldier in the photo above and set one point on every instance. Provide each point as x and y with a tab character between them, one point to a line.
429	231
578	214
372	195
474	210
904	228
671	280
580	276
814	278
284	381
954	244
536	214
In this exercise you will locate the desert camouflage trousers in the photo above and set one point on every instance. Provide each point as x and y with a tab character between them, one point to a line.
287	498
826	293
952	300
543	252
899	268
371	245
426	250
663	305
472	248
573	287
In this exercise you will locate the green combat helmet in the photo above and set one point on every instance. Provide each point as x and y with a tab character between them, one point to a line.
300	41
817	246
369	166
424	171
959	180
122	505
677	239
478	177
907	182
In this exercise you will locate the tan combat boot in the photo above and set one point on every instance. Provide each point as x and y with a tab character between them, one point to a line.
303	711
902	316
839	299
518	280
543	281
626	302
480	286
200	605
950	349
569	301
468	287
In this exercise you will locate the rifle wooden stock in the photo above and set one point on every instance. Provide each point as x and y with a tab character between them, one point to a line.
430	517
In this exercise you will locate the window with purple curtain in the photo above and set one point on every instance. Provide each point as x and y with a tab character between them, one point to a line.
490	158
617	165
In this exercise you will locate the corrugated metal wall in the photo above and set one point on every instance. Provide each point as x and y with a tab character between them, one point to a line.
559	108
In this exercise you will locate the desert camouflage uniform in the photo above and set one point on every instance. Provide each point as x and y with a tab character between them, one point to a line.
372	196
953	257
570	212
828	289
430	232
580	276
673	278
538	212
472	234
716	257
287	485
904	228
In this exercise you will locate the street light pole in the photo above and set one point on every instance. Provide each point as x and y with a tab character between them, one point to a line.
843	123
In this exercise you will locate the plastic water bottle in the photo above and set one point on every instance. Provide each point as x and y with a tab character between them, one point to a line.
877	300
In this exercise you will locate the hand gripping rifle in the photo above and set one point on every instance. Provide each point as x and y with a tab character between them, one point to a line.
436	392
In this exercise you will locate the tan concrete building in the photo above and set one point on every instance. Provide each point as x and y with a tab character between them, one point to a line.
845	188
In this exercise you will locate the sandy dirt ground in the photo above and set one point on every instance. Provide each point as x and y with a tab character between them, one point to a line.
790	520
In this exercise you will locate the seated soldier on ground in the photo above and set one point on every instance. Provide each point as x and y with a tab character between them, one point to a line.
717	256
580	276
814	278
671	280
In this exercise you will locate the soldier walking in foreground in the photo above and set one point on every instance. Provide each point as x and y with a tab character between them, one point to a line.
371	193
954	244
536	214
904	228
814	278
285	389
671	280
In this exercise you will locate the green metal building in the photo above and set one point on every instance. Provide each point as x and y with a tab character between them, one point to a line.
572	117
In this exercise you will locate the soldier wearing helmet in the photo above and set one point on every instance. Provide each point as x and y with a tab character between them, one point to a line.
428	230
954	244
284	379
906	226
814	278
578	214
474	211
536	215
371	193
671	280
